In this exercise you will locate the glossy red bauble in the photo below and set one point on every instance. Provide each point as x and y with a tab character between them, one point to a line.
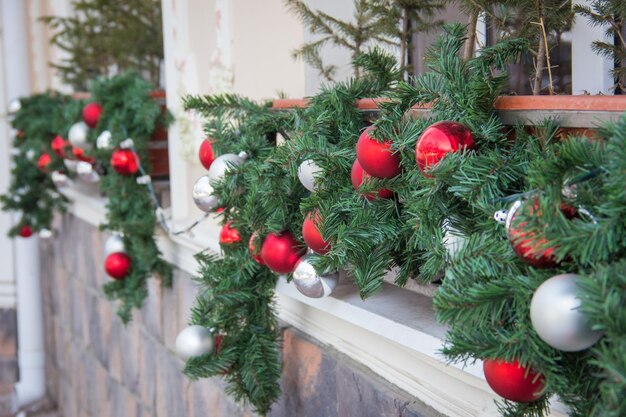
26	231
312	236
58	145
91	114
79	154
534	250
358	176
117	265
377	158
206	154
440	139
512	381
43	162
229	235
254	252
125	162
281	252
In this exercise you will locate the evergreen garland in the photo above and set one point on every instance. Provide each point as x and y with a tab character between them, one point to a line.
486	291
130	112
31	192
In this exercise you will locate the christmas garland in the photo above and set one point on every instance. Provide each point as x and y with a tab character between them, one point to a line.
420	196
35	122
119	120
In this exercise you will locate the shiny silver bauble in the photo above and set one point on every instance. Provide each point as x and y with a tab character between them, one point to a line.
14	106
222	164
86	172
194	341
114	244
60	179
78	135
202	194
308	171
104	140
556	316
309	283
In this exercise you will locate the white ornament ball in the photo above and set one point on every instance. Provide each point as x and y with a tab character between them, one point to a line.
203	194
45	233
114	244
308	171
30	154
556	316
500	216
70	164
86	172
104	140
14	106
194	341
60	179
222	164
78	134
309	283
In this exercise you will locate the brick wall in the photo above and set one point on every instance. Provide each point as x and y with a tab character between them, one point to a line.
96	366
8	357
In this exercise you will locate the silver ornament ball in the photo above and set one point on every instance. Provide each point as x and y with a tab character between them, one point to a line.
114	244
45	233
194	341
308	171
70	164
556	316
202	194
104	140
500	216
86	172
14	106
78	134
309	283
60	179
222	164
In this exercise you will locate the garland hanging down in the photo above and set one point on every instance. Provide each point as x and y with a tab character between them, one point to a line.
420	196
109	146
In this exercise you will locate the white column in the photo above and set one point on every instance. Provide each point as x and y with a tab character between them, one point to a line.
31	386
590	71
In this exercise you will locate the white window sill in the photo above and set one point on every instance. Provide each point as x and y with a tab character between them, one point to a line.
394	333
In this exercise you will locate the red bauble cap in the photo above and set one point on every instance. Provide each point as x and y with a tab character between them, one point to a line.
229	235
43	162
79	154
117	265
125	162
254	252
438	140
377	158
512	381
358	176
534	250
206	154
91	114
281	252
26	231
312	236
58	145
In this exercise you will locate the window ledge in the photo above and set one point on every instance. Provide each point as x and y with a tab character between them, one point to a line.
394	333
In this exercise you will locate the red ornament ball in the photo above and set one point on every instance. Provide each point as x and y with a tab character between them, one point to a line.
26	231
117	265
125	162
254	252
44	160
377	158
312	236
91	114
281	252
359	176
229	235
79	154
440	139
534	250
512	381
58	145
205	154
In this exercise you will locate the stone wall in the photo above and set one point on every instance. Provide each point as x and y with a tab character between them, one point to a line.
96	366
